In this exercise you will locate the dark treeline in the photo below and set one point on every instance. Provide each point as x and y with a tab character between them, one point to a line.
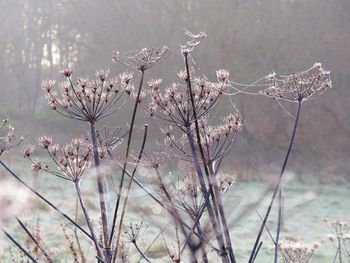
250	38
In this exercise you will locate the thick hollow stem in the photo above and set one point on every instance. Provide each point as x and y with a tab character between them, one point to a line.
276	190
102	191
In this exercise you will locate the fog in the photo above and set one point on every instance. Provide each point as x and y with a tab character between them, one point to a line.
249	38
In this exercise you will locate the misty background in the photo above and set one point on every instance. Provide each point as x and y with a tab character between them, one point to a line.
250	38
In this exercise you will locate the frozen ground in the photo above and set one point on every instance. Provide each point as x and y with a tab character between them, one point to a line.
306	206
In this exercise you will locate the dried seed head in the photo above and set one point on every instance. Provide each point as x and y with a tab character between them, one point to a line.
141	60
47	85
192	42
126	78
298	86
222	75
45	141
28	150
182	75
102	74
67	72
36	167
154	84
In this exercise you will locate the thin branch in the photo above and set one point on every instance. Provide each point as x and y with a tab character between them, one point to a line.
45	200
34	240
20	247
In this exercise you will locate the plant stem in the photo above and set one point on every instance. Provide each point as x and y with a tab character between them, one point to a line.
277	187
87	218
126	156
46	200
140	251
279	220
102	191
197	166
82	257
222	214
127	195
20	247
34	240
216	229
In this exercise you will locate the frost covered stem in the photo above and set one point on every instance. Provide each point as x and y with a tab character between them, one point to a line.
218	233
102	190
276	190
87	218
126	155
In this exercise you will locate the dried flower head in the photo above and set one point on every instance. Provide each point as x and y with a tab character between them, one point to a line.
225	181
191	42
222	75
69	162
45	141
299	86
28	150
132	231
67	72
87	100
141	60
173	105
8	138
296	251
102	74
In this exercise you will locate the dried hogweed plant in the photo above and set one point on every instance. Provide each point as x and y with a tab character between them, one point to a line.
186	106
295	88
198	228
